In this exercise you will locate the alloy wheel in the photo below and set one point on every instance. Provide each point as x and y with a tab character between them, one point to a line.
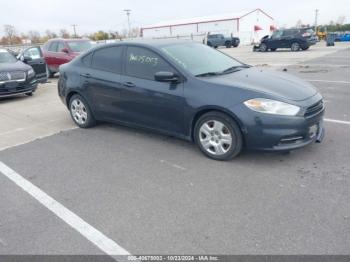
79	112
215	137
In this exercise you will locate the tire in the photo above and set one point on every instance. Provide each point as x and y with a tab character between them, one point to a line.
263	47
273	49
228	45
295	47
49	73
80	112
218	136
305	48
216	47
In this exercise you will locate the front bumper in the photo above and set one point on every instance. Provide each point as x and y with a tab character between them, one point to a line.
17	88
279	133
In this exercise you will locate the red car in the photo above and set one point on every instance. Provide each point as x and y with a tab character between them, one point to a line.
61	51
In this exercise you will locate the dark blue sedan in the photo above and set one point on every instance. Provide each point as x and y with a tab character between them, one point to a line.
194	92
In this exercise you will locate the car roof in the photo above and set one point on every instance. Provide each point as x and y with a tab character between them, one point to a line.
155	43
68	39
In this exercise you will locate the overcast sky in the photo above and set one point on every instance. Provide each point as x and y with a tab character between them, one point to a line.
93	15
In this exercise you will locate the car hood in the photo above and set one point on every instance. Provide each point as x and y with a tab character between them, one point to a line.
16	66
272	83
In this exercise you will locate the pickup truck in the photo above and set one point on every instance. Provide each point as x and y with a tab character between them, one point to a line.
216	40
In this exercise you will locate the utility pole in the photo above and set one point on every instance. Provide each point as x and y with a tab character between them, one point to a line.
316	19
128	12
75	31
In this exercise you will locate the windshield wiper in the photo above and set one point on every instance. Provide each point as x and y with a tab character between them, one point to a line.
209	74
234	69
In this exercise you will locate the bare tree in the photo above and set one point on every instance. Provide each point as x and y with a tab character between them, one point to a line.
64	33
50	34
341	20
34	36
10	32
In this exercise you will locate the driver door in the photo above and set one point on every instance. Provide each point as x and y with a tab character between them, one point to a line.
146	102
276	40
36	61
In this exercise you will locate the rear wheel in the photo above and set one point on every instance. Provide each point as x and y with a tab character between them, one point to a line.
218	136
81	112
295	47
228	45
263	47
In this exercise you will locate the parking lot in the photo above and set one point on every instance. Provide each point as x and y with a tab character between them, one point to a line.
117	190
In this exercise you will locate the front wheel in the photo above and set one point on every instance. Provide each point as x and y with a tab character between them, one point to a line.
218	136
263	47
81	112
228	45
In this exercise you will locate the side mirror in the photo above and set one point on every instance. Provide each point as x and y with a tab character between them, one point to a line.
25	59
65	50
166	77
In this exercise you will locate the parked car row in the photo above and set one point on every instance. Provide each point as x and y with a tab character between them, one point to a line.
21	72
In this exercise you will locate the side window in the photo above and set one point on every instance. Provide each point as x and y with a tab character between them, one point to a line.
33	52
86	60
53	47
108	59
277	35
60	46
143	63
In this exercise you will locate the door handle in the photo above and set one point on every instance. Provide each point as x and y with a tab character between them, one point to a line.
129	84
85	75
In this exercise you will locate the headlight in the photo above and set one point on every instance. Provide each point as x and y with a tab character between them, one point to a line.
31	72
268	106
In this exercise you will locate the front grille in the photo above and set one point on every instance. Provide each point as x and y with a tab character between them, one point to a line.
12	76
314	109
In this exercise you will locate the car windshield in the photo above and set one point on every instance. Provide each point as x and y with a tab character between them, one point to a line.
79	46
200	59
6	57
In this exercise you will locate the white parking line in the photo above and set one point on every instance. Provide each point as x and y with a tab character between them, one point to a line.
337	121
104	243
327	81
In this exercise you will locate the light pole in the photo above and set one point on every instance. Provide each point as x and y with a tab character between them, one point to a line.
128	12
75	31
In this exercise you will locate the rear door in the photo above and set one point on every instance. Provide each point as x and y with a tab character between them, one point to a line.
288	38
101	78
37	62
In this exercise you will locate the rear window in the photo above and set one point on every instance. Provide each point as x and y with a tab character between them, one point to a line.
108	59
79	46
